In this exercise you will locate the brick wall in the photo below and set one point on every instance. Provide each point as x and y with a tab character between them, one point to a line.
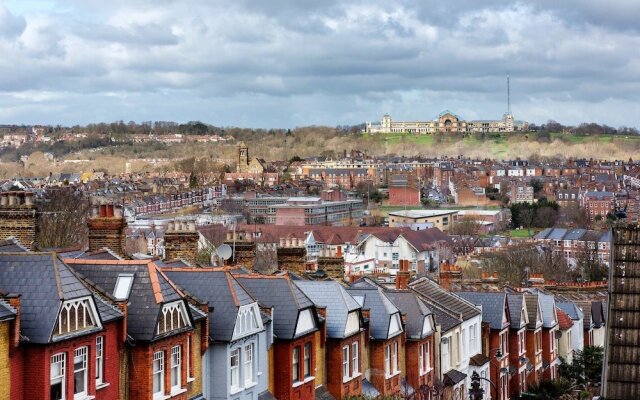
183	245
35	360
378	380
412	349
5	370
18	217
292	259
107	232
282	357
335	379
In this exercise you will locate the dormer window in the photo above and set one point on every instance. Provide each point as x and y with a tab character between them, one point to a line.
353	323
173	317
76	315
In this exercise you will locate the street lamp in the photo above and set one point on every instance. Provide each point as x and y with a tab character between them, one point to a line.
476	391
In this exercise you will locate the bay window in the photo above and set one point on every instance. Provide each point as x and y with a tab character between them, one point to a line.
387	364
394	357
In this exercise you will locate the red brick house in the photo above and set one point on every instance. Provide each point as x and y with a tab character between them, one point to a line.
518	344
166	333
386	344
295	323
66	337
344	341
495	314
533	338
404	190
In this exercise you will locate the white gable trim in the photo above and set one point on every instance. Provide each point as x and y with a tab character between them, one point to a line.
248	321
395	325
353	323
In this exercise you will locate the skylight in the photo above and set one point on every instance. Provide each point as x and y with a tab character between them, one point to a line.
123	286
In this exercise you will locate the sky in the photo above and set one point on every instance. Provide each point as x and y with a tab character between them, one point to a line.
282	64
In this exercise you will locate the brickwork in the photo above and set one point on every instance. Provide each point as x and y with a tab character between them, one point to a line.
284	387
36	378
332	266
292	259
386	386
141	369
516	361
245	253
195	385
5	370
321	358
335	380
413	375
18	217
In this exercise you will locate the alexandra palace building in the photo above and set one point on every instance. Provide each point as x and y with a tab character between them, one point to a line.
446	122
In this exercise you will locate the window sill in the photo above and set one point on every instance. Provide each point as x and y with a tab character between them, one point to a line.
389	376
87	397
300	383
175	392
350	378
249	385
102	385
190	379
235	390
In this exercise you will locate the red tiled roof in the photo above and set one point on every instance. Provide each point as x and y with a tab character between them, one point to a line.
564	320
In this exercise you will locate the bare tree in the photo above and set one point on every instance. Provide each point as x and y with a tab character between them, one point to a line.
266	260
62	220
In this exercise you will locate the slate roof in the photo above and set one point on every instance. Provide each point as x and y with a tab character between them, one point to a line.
219	289
43	281
149	291
434	294
6	311
533	304
12	245
334	297
381	308
516	304
570	308
453	377
547	306
494	306
414	308
445	319
575	234
283	295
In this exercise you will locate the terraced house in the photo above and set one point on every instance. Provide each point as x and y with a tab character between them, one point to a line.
235	362
292	357
166	333
65	337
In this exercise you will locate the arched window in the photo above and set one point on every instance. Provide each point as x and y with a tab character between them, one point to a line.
173	317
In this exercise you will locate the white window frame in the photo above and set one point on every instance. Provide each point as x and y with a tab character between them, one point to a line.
234	369
295	364
428	356
83	354
306	360
394	357
248	364
59	360
99	360
158	357
176	368
421	365
355	359
166	322
387	359
123	279
345	362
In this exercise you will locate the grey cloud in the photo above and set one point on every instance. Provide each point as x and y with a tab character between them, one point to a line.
11	26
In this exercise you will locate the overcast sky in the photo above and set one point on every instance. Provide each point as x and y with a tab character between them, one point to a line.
278	63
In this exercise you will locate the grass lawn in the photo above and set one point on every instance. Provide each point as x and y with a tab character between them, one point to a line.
521	233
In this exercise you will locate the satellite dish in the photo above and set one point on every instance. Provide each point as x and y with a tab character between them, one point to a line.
224	251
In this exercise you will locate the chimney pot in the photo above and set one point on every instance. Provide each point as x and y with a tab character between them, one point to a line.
4	199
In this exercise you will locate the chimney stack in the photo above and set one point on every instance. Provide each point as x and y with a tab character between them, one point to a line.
402	277
107	228
181	241
18	217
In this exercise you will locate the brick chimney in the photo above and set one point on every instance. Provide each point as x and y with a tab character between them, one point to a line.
450	275
291	255
18	217
402	277
107	228
181	241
